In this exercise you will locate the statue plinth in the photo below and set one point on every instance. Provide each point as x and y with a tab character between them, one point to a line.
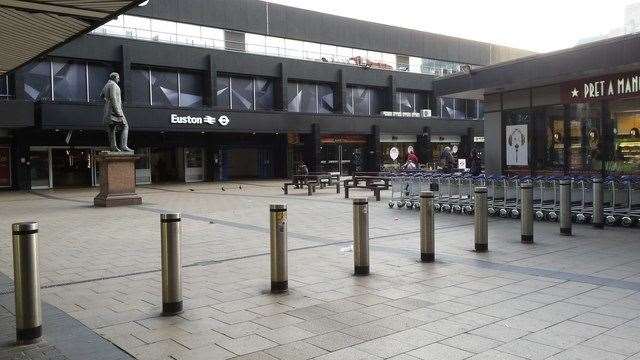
117	179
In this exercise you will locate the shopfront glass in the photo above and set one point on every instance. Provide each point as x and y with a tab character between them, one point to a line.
625	116
549	138
40	170
143	166
193	164
584	137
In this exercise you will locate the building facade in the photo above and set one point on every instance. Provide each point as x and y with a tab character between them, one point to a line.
230	89
574	111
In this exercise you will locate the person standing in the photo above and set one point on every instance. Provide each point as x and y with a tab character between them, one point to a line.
447	161
475	162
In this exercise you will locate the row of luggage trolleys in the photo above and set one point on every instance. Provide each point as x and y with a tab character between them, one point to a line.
453	193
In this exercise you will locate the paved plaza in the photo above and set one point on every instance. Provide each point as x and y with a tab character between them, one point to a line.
562	298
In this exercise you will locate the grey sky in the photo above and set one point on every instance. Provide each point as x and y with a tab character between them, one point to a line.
538	25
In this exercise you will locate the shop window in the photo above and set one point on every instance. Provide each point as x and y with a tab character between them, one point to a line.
191	89
98	77
459	111
422	101
223	93
164	88
326	99
584	135
264	94
348	106
37	81
140	90
406	102
241	93
625	116
550	137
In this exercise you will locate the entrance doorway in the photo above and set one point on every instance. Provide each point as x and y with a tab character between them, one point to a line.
345	159
164	165
71	167
193	165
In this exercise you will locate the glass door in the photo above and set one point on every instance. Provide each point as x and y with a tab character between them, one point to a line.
143	167
40	169
193	164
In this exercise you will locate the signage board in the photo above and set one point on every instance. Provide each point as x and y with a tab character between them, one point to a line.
613	86
5	166
206	120
462	164
517	145
394	153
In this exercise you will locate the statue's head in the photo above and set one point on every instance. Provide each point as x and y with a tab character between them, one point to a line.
115	77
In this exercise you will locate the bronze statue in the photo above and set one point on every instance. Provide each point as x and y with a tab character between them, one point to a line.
114	117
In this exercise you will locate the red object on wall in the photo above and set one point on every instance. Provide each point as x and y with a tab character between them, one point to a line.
5	166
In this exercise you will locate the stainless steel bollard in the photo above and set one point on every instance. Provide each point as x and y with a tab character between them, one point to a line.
598	204
171	234
27	282
279	271
361	236
427	242
526	213
565	207
480	220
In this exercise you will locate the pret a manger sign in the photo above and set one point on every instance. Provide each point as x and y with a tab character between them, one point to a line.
605	87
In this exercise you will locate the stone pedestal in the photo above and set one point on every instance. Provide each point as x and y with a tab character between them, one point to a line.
117	180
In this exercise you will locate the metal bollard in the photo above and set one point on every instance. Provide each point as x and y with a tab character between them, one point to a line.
565	207
480	220
427	228
171	234
361	236
26	282
279	271
526	213
598	204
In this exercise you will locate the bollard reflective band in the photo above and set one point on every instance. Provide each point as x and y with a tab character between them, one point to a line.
426	194
164	221
278	207
25	232
480	190
360	202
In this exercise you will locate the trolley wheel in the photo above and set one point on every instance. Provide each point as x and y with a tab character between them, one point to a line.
468	209
552	216
408	205
491	211
581	218
504	213
626	221
456	209
416	206
446	208
437	206
515	214
611	220
391	204
540	215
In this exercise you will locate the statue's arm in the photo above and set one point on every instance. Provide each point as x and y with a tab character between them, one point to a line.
116	102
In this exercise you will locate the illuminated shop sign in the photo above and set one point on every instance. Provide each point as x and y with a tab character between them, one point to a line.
604	87
200	120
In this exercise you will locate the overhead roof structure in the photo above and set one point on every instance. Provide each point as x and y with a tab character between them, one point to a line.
29	29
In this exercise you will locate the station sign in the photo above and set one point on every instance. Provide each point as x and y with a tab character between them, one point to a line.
206	120
614	86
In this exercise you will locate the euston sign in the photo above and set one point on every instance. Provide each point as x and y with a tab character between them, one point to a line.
605	87
199	120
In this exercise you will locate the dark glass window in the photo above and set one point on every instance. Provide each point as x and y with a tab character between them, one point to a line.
37	81
422	101
480	109
140	86
191	89
446	108
98	77
264	94
471	111
326	99
361	100
309	102
241	93
164	88
223	91
4	85
407	102
378	101
348	107
69	81
460	108
294	97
